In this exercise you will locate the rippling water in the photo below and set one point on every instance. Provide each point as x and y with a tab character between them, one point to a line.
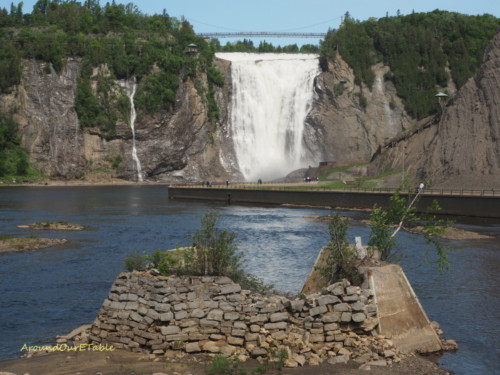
51	291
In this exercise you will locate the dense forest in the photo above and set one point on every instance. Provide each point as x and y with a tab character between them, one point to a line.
246	45
13	158
129	44
422	50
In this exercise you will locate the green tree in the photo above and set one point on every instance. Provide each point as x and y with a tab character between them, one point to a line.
402	213
214	251
417	47
13	157
10	67
341	261
340	255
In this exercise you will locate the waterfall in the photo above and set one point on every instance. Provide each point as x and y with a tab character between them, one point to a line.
271	97
130	87
379	86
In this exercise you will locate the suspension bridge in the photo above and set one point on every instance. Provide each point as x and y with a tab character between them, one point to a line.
261	34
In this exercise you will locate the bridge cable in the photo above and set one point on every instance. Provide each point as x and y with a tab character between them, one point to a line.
236	30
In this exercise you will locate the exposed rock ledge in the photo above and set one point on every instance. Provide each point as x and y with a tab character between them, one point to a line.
47	225
26	244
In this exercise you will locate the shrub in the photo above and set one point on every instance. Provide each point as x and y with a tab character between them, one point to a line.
13	157
341	257
168	265
134	262
214	251
339	88
226	366
402	213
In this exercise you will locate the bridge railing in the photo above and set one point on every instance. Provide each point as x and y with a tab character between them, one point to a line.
262	34
314	186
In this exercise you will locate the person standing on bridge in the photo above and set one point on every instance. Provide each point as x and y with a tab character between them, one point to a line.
421	187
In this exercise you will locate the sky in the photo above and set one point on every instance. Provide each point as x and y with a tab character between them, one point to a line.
287	15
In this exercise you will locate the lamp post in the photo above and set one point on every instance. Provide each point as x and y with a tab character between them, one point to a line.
441	100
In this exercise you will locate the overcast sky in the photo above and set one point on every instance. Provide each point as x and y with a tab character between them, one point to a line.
288	15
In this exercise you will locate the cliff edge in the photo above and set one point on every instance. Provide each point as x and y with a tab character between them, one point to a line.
460	147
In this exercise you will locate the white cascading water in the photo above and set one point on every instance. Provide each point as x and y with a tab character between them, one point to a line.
130	87
271	96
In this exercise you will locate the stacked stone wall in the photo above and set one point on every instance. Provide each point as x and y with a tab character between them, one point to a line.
158	315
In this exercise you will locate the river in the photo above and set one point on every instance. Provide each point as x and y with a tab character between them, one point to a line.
52	291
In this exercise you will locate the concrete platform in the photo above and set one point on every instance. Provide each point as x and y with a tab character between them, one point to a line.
465	205
401	317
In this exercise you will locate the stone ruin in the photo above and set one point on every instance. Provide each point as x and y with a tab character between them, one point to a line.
169	316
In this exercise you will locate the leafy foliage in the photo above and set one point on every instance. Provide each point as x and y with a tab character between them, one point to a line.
418	48
10	66
13	157
340	260
246	45
221	365
134	262
402	213
213	252
117	38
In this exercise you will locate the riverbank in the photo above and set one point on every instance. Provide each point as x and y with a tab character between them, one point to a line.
86	182
121	362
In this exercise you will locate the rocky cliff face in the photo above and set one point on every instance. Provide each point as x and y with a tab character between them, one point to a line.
48	122
460	148
171	145
345	127
181	144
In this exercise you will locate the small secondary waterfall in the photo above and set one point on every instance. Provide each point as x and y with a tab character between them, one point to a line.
131	86
271	97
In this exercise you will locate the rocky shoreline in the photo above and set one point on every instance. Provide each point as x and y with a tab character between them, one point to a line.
121	362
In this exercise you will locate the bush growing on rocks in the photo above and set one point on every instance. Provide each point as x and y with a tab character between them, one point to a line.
213	253
134	262
402	214
340	260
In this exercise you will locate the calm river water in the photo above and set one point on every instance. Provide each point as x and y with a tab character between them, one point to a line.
51	291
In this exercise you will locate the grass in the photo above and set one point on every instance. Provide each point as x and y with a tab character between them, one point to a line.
49	223
331	185
329	171
32	176
364	182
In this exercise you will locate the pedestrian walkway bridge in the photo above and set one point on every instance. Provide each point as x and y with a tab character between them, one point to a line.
261	34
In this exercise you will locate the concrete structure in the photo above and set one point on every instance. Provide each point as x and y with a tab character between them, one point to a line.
400	315
452	203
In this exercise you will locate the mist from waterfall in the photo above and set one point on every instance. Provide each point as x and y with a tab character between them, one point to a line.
131	87
271	96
